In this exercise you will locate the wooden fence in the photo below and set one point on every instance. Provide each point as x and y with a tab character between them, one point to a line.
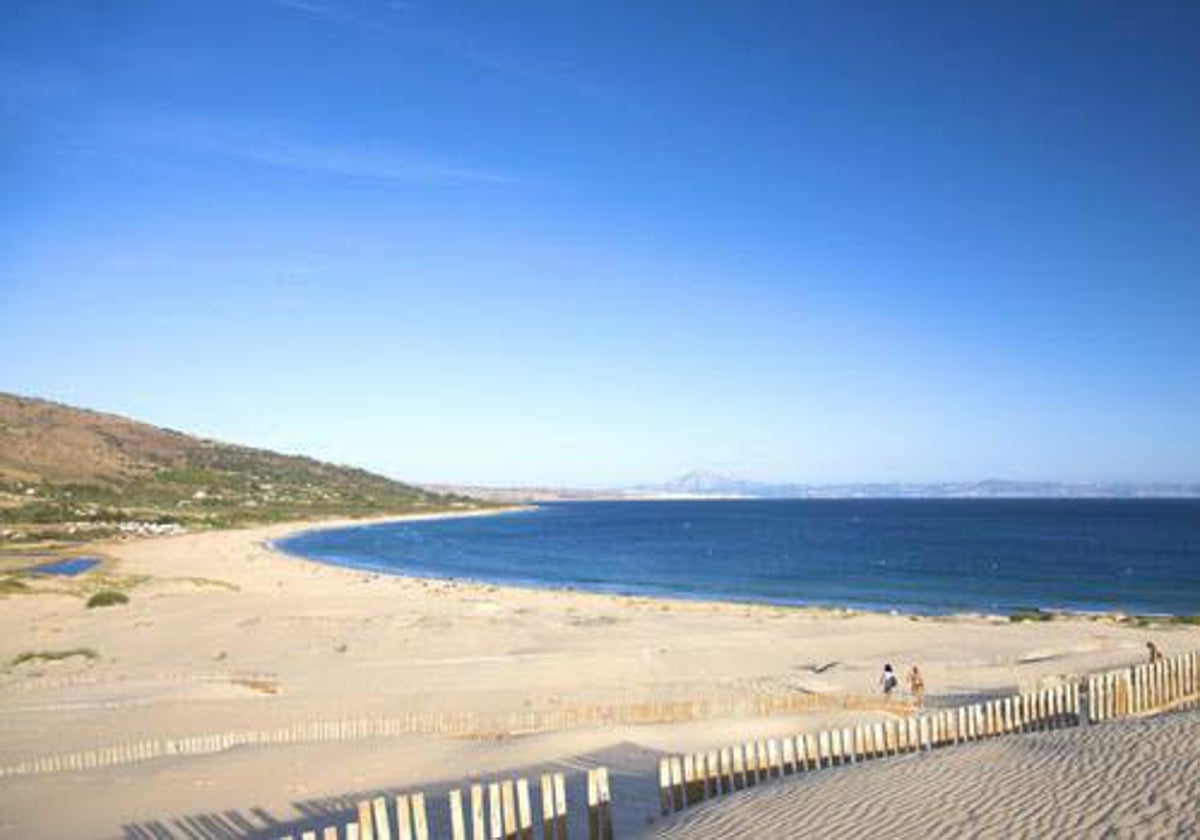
456	724
1145	689
685	780
500	810
505	810
1173	683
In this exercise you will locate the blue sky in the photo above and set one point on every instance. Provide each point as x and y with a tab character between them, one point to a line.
606	243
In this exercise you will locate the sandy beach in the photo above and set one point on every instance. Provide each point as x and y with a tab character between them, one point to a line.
223	633
1133	779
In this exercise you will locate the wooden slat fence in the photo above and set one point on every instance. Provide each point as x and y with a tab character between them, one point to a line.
685	780
464	725
503	809
1173	683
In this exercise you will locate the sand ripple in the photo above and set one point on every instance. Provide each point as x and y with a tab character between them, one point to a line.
1137	779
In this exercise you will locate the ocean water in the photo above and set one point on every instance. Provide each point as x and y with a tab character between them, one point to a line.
922	556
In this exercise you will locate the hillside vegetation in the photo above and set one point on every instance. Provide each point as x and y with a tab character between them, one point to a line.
68	473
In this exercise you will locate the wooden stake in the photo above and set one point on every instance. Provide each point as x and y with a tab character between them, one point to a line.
677	784
420	818
366	829
524	810
403	818
560	806
458	828
548	804
495	812
593	801
789	756
606	826
478	827
664	786
509	802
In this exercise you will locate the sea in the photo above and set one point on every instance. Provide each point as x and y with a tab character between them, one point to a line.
922	556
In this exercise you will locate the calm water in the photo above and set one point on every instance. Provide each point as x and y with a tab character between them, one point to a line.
69	567
928	556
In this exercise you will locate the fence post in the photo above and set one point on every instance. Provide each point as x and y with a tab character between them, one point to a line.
560	806
508	802
404	826
547	786
420	818
478	828
739	768
593	801
524	810
664	786
678	791
495	812
366	829
458	829
606	826
749	764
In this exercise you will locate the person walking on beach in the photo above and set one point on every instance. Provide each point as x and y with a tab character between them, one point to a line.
888	680
916	686
1155	654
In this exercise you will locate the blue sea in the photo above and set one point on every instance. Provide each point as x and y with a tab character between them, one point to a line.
919	556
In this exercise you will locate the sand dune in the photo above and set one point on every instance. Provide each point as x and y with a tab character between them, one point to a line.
223	634
1129	779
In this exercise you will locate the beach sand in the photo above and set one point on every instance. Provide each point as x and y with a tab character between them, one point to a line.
226	634
1135	778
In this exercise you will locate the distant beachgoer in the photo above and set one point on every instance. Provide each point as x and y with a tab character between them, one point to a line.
888	680
1155	654
916	685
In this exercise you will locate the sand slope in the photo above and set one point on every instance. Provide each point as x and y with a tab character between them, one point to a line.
225	634
1128	779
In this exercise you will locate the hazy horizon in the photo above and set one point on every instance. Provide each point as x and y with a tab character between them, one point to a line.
526	244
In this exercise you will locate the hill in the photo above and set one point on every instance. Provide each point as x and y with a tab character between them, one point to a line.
71	473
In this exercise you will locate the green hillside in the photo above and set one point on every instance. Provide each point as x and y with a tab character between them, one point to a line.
72	474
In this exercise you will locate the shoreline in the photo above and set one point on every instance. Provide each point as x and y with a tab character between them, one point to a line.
223	633
1017	614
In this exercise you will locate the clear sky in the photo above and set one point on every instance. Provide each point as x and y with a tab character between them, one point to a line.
606	243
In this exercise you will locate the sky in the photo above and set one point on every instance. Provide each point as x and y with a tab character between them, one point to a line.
603	244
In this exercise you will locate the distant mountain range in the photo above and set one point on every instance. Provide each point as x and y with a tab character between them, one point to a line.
714	484
709	485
